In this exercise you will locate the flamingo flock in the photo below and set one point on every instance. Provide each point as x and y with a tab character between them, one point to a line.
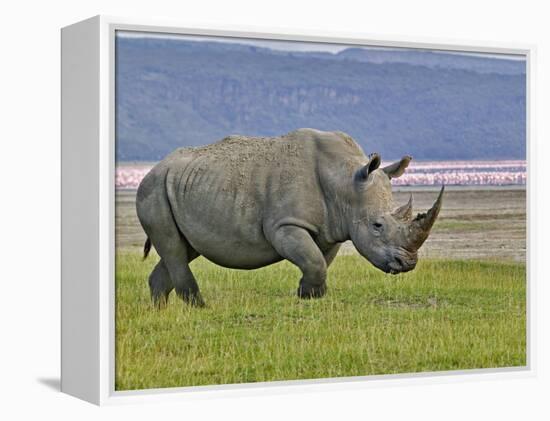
128	176
479	173
464	173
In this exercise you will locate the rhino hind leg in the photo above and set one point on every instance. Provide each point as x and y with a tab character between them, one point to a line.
173	248
176	257
160	285
296	245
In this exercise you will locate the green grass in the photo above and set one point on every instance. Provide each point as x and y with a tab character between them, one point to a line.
444	315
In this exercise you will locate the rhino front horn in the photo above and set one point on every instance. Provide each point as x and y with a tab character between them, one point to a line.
422	224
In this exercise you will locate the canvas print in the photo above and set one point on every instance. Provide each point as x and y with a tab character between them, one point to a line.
295	210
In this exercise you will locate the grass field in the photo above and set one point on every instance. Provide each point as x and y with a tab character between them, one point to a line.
444	315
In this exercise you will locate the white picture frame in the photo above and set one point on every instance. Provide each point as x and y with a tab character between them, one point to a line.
88	171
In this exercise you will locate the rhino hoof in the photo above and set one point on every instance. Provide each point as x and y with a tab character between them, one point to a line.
160	301
307	291
196	300
193	298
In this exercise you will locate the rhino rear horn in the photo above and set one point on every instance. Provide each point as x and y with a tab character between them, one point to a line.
404	213
422	224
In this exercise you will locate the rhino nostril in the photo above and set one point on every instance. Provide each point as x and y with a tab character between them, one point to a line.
399	261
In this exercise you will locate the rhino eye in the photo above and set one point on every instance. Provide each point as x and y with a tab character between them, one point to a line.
377	225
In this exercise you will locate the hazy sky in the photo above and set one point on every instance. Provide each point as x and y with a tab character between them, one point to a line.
291	45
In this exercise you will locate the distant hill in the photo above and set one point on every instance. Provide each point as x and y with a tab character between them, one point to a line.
433	105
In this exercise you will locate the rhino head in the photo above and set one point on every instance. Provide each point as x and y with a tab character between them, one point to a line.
387	237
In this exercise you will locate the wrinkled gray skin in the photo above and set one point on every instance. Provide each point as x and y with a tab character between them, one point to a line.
249	202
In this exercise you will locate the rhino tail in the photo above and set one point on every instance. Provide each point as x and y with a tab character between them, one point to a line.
146	248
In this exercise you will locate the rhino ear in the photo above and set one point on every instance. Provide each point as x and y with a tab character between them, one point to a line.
363	173
397	168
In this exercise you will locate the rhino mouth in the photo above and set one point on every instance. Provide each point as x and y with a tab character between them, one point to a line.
401	264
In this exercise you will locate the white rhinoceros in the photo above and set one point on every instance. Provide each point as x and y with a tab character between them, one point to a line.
248	202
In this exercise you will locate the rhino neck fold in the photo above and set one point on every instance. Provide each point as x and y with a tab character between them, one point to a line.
336	182
338	231
337	213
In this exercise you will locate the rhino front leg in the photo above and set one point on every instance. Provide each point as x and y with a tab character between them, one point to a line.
331	253
296	245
